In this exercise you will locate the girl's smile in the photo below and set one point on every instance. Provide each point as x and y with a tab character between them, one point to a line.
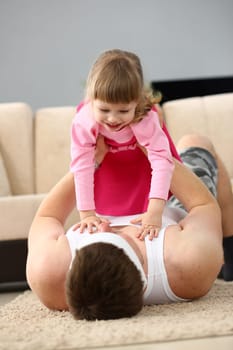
114	116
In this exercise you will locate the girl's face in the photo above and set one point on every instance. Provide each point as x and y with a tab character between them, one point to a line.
114	116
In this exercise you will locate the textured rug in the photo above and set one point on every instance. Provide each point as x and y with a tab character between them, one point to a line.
26	324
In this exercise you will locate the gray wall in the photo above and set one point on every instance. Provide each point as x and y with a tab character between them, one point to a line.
47	46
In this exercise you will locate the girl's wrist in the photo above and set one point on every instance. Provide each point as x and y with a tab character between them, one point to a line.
86	213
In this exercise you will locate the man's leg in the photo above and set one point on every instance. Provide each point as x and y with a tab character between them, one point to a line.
224	197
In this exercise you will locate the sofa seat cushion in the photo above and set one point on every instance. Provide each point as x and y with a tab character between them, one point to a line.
17	213
5	189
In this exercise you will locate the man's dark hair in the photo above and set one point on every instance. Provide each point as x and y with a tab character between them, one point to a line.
103	283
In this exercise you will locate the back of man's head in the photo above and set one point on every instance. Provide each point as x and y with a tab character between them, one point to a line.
103	283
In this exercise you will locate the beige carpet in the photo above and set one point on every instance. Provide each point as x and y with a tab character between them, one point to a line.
26	324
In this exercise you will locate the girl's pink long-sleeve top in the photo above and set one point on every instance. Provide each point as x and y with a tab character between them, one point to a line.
147	133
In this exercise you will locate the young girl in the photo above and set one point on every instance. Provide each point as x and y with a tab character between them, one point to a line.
118	107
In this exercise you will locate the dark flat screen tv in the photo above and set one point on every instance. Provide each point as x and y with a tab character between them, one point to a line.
183	88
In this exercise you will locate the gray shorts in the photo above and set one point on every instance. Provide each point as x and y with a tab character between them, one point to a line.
203	164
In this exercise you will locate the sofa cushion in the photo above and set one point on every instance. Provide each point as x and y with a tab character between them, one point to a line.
4	183
16	142
211	116
52	140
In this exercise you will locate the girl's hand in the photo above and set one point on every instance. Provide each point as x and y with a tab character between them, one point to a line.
151	225
91	223
151	220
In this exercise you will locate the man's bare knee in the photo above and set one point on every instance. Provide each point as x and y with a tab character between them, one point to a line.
195	140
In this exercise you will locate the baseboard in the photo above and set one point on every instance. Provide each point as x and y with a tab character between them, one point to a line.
13	286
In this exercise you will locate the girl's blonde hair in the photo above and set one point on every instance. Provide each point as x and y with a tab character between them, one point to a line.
117	77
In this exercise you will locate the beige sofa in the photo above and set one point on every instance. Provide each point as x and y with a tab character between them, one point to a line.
34	154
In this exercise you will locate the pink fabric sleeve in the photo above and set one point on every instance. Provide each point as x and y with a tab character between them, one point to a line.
173	149
149	134
84	131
